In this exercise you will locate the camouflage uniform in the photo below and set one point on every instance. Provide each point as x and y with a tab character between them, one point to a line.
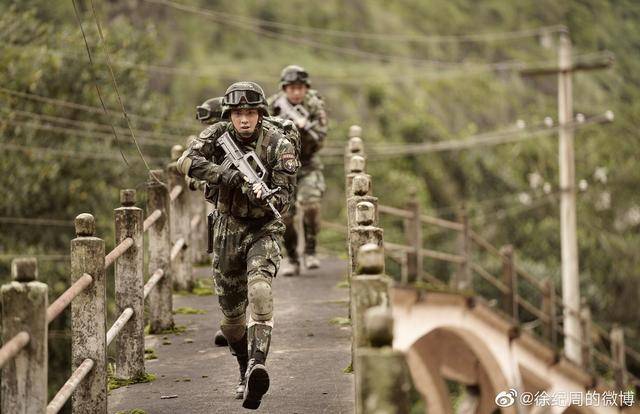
246	254
311	184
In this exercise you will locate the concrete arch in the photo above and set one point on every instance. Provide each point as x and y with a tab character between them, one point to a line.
458	354
448	335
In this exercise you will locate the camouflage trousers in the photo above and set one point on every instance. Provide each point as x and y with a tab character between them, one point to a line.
309	192
246	257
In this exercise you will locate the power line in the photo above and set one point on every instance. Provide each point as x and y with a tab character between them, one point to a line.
75	132
69	153
151	135
324	46
390	37
115	86
40	257
87	108
481	140
95	80
463	69
37	221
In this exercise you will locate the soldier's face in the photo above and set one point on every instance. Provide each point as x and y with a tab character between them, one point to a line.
245	121
296	92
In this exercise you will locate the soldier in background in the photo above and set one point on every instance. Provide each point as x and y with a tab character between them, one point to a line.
210	111
246	232
305	107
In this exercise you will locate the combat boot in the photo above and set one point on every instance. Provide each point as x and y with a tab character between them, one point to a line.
311	261
257	377
240	351
290	268
219	339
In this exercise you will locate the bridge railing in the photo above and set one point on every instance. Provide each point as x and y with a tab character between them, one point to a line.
173	232
539	312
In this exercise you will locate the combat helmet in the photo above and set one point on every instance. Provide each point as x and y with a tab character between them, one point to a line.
244	95
294	74
210	111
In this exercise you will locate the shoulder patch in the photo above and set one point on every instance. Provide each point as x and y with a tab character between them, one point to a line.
208	132
289	162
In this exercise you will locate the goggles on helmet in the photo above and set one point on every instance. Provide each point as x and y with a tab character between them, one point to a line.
202	112
242	97
296	76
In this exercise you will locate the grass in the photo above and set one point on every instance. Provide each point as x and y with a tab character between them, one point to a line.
201	287
348	369
150	353
340	321
115	383
188	311
176	330
343	284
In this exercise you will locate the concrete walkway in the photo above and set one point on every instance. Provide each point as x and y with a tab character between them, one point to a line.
306	362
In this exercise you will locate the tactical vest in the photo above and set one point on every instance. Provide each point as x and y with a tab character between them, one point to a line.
233	201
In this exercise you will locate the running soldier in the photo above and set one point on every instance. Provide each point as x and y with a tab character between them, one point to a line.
247	226
305	107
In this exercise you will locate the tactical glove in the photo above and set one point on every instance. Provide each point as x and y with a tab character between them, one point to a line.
231	178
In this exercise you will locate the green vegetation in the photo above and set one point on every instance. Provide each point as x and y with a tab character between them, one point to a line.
344	284
189	311
202	287
176	330
115	383
150	353
340	321
348	369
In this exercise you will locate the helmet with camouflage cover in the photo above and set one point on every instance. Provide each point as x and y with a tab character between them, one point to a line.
294	74
242	95
210	111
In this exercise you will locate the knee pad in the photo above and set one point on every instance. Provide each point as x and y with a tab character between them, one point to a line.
234	327
260	300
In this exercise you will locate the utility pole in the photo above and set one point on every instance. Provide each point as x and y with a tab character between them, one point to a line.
568	232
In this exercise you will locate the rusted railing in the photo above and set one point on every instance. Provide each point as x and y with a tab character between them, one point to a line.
26	313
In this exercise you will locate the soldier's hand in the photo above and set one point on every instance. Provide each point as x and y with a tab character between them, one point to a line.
300	123
257	190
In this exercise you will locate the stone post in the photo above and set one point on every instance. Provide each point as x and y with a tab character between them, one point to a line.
356	166
88	318
360	187
364	232
180	225
160	298
369	287
383	382
354	147
413	236
198	207
618	355
129	289
587	343
549	309
24	309
509	278
462	278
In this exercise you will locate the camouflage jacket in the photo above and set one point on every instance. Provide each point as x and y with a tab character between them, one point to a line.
313	103
203	159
